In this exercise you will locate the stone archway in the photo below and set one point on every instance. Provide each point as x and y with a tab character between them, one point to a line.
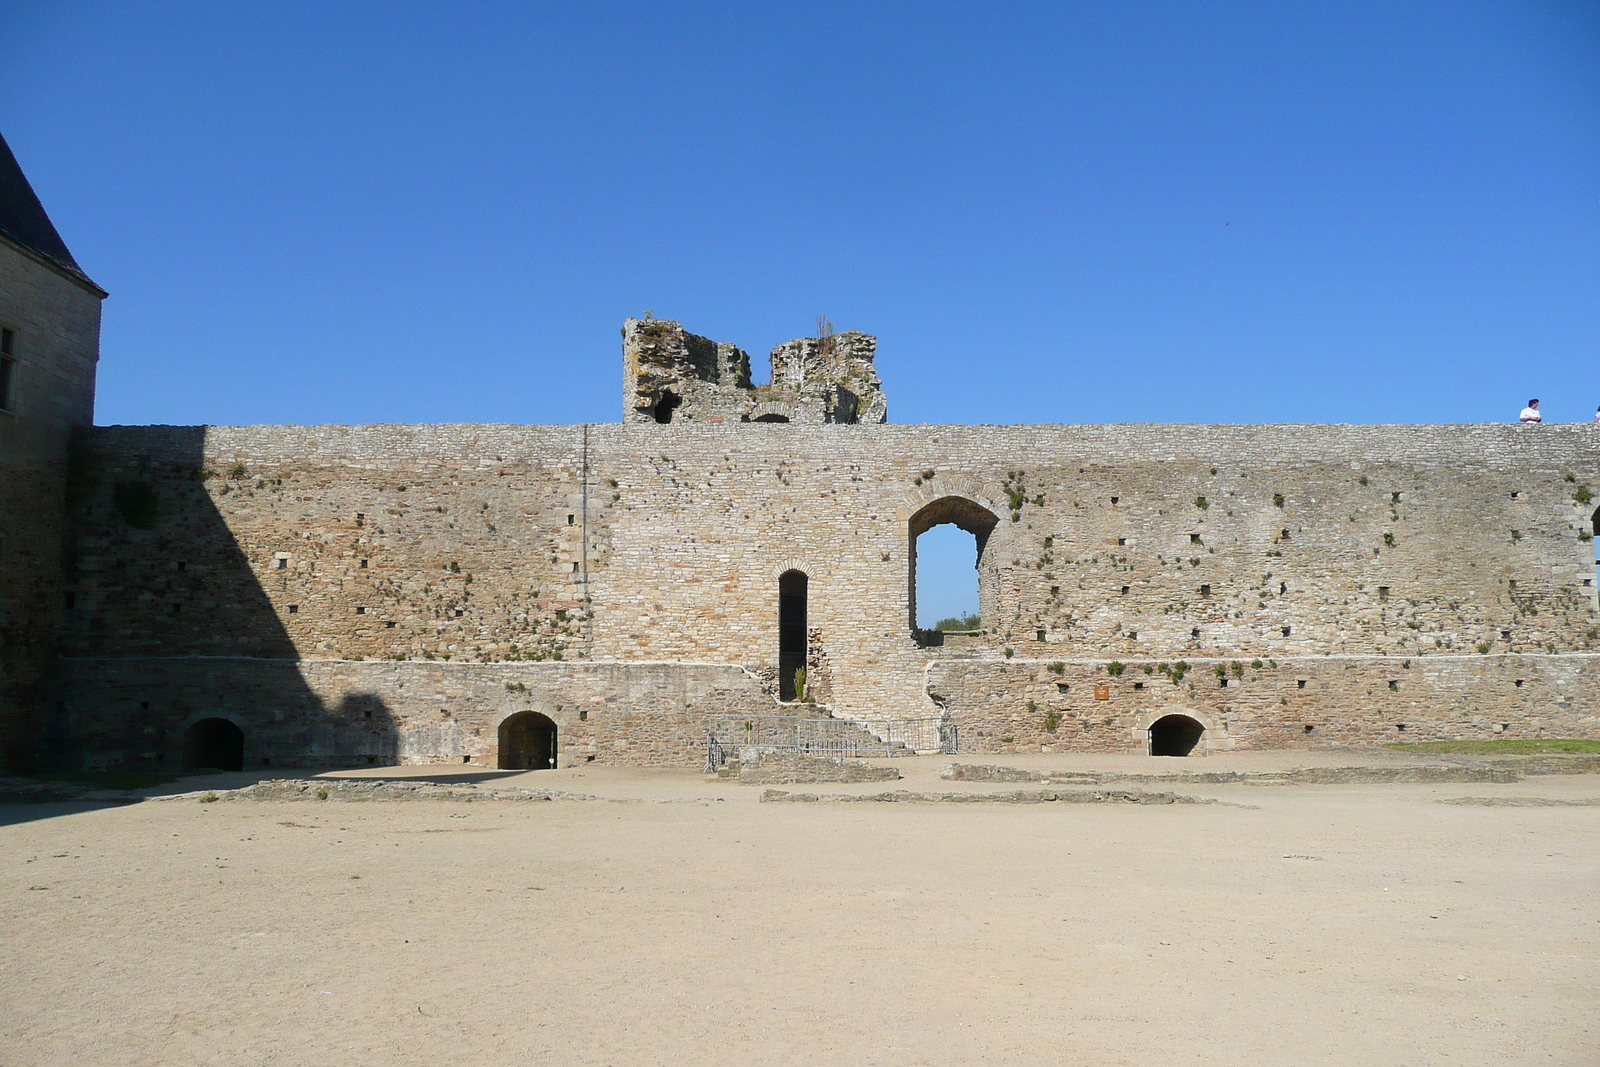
960	511
1175	735
528	742
215	744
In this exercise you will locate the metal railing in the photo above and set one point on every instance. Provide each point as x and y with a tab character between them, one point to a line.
826	738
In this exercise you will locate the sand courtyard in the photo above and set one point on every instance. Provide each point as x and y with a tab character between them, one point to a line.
671	918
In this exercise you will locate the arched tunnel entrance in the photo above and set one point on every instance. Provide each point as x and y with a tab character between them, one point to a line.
1174	735
213	744
528	742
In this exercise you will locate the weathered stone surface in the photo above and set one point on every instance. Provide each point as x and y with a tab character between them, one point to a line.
777	768
1021	796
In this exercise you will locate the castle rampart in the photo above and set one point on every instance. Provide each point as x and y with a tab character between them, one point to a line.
1450	561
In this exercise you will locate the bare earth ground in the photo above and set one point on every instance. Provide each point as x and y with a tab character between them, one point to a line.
680	920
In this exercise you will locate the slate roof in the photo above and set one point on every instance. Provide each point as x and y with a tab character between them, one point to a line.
23	219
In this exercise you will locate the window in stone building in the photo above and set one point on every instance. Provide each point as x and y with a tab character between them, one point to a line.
1300	683
571	519
1383	592
1284	534
1125	589
8	366
668	403
1114	500
1394	686
1038	635
361	611
1287	631
281	563
294	608
1195	632
1205	590
363	564
1194	539
771	417
793	590
947	565
1122	540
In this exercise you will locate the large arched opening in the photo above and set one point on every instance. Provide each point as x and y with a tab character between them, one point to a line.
528	742
770	417
1175	735
947	539
213	745
792	591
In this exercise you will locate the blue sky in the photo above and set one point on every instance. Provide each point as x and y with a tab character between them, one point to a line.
1222	212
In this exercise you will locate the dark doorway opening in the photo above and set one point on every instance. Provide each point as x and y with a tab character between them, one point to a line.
792	635
772	418
1174	735
668	403
213	744
528	742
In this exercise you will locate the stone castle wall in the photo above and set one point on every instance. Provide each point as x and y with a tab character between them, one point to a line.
56	319
645	544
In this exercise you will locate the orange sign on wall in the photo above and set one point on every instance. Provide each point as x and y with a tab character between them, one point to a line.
1102	692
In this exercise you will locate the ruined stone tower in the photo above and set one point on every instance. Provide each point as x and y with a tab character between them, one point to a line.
671	375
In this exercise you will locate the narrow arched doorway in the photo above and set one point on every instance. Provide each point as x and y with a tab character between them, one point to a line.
213	745
528	742
792	591
1174	735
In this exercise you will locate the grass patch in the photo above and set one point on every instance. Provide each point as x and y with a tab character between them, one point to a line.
1509	746
106	779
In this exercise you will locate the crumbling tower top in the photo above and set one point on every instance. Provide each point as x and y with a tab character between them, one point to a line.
669	374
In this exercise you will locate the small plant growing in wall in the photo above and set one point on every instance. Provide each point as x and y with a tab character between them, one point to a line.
1115	668
1057	668
1052	720
1277	500
237	471
1201	503
1516	535
1483	648
1582	495
1009	652
1388	539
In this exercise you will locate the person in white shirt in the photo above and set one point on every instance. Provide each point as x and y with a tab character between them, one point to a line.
1531	412
1597	413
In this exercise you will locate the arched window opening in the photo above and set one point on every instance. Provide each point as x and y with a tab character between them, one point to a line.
528	742
792	587
1175	735
213	745
668	403
771	418
947	541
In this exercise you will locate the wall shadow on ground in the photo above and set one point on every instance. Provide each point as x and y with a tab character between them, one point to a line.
168	624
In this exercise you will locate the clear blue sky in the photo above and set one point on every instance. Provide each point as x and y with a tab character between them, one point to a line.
1062	212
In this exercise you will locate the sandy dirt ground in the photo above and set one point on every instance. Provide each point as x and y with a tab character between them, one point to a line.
679	920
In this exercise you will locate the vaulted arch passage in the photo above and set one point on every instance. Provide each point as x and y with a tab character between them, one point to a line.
528	742
214	745
1175	735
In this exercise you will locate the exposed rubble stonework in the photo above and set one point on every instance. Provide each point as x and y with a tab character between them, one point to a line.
671	375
